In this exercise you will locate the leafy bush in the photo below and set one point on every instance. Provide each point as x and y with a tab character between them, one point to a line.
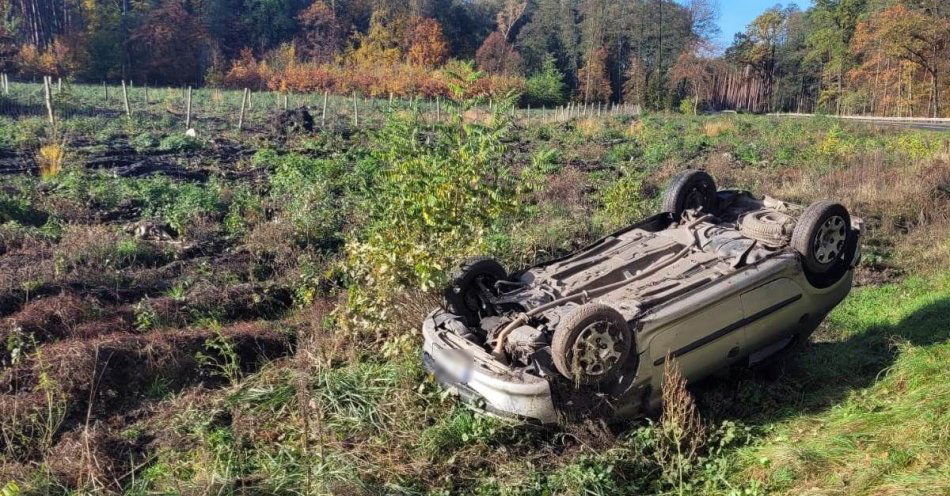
430	205
623	201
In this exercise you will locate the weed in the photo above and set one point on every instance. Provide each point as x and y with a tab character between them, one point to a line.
220	357
681	433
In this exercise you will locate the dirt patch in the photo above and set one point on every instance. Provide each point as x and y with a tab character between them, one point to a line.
61	316
95	457
73	381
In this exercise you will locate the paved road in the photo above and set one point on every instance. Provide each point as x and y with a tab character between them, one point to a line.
912	122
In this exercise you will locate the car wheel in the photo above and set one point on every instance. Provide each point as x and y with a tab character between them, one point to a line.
823	237
465	294
688	190
591	344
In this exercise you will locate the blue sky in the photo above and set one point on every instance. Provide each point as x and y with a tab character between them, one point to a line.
734	15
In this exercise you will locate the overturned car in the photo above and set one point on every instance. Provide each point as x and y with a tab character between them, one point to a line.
719	278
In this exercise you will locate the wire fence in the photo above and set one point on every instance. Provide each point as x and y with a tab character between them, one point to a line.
213	110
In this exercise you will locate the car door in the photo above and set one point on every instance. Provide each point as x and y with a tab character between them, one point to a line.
702	341
772	311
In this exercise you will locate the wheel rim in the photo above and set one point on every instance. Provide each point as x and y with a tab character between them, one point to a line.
829	242
597	349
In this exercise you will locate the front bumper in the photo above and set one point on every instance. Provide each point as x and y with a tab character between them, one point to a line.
463	366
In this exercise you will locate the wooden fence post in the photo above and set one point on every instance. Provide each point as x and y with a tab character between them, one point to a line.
323	115
125	97
59	84
188	109
49	99
356	113
438	108
244	101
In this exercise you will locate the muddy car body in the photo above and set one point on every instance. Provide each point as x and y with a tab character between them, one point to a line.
718	279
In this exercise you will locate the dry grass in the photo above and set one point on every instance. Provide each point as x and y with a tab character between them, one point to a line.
590	126
715	128
51	158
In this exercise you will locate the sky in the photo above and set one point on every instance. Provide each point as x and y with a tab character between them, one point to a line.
734	15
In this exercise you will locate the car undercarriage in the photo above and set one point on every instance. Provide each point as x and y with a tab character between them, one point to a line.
720	277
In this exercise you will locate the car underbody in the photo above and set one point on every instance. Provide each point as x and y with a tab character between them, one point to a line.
592	331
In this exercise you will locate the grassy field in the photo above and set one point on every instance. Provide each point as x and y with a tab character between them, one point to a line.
238	312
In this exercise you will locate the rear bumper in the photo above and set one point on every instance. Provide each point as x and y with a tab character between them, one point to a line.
464	367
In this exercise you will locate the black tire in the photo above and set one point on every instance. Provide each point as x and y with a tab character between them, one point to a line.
570	334
462	295
690	189
824	238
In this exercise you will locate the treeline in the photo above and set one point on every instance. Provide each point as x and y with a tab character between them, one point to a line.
849	56
551	50
884	57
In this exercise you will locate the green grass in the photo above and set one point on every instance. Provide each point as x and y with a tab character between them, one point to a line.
863	409
881	369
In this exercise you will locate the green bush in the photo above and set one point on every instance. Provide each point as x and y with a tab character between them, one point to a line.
430	205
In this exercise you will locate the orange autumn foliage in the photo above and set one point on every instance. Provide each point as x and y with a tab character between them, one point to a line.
429	47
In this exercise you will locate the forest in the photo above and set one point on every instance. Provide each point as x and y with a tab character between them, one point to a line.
881	57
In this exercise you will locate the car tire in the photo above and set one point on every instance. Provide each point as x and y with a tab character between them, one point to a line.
584	331
690	189
462	293
824	238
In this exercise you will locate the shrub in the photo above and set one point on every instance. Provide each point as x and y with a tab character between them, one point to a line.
623	201
430	205
179	143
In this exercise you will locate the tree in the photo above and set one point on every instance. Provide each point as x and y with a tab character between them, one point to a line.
429	47
832	25
320	34
497	56
635	81
697	69
593	83
545	88
385	42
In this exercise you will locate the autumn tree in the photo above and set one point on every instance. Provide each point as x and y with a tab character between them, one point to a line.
428	47
696	69
320	35
635	81
911	36
497	56
593	85
385	42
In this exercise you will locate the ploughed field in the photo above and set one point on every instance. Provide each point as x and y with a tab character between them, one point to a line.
238	311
